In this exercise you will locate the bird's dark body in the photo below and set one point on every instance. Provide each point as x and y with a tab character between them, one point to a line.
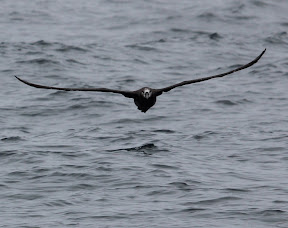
144	104
145	98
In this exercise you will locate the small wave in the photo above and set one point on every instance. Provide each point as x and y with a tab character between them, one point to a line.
40	61
215	36
161	40
226	102
74	61
58	203
271	212
102	57
207	16
284	24
148	149
33	53
77	175
124	81
260	3
3	186
203	34
138	148
82	186
155	118
279	38
140	61
217	200
179	30
8	153
53	146
281	201
231	103
68	48
7	70
152	42
193	209
41	43
141	47
204	135
182	186
167	131
271	149
160	192
162	166
143	147
60	47
272	215
12	139
18	173
243	18
179	184
57	93
77	106
237	190
25	196
126	120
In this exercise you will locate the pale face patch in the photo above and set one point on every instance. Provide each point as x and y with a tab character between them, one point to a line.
146	93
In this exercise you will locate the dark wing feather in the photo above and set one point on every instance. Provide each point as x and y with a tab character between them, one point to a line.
129	94
166	89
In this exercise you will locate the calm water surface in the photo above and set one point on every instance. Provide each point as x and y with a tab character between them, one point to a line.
212	154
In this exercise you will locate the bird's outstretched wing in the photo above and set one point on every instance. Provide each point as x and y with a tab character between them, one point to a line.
129	94
166	89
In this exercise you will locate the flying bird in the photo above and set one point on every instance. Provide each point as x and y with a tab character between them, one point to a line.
145	98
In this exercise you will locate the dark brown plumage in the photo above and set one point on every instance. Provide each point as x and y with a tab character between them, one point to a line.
145	98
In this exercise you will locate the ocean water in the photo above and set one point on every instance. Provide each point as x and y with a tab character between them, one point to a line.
211	154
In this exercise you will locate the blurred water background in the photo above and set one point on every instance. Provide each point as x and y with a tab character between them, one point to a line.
212	154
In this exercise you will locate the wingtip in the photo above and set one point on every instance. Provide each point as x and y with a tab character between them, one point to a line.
18	78
21	80
261	55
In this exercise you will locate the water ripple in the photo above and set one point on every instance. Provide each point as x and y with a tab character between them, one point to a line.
83	159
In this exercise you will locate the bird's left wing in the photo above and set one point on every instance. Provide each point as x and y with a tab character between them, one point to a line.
166	89
129	94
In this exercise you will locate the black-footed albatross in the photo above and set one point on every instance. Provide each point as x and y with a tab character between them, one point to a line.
145	98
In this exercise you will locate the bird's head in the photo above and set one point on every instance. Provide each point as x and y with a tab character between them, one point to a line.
146	93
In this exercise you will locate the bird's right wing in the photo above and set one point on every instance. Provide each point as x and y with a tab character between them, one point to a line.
129	94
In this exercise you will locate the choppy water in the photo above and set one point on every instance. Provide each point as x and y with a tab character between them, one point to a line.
212	154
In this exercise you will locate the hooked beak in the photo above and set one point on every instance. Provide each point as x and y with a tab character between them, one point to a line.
146	95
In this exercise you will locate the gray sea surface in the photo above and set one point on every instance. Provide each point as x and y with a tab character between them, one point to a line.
211	154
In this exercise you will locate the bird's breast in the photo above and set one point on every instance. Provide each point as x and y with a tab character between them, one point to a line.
144	104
